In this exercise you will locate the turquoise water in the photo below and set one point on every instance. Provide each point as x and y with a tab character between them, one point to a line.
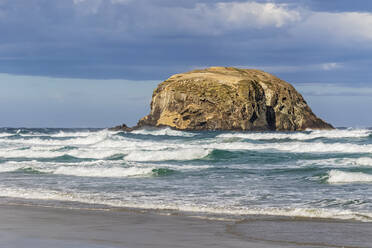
325	174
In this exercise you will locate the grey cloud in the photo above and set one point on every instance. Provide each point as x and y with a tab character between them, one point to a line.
114	20
150	39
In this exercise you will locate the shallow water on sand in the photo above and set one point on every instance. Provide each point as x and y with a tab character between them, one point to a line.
325	174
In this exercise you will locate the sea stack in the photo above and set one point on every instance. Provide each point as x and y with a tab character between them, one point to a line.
226	98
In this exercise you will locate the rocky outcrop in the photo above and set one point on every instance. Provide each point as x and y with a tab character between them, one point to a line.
122	127
225	98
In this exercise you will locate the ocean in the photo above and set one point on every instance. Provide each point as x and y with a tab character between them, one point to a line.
227	175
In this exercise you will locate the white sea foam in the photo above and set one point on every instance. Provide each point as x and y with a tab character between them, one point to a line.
161	151
364	161
81	169
98	168
338	162
47	167
117	172
295	147
114	172
79	140
102	150
43	164
5	167
2	135
95	153
185	167
29	153
132	144
163	131
39	152
62	134
330	134
97	142
95	198
337	176
179	154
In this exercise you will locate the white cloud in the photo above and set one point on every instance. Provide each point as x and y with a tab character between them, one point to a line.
248	14
340	27
219	18
331	66
223	17
201	18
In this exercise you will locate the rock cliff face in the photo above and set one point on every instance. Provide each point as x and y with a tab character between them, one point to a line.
225	98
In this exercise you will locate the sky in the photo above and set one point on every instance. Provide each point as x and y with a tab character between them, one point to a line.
95	63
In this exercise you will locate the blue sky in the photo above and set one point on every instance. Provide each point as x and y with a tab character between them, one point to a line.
94	63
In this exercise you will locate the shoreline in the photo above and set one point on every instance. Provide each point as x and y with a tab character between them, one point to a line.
36	226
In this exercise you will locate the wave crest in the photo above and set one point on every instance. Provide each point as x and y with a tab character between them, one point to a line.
307	135
163	132
337	176
179	154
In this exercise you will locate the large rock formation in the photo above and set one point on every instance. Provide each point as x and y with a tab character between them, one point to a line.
225	98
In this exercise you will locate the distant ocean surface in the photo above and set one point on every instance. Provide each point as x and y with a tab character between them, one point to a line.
325	174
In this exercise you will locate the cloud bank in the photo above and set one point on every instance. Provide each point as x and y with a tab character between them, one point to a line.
151	39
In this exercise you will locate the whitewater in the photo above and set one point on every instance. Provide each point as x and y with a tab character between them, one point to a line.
315	174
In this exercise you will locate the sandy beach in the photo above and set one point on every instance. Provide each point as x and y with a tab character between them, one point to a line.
29	226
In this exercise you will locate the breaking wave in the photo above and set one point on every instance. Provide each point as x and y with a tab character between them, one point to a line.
295	147
337	176
307	135
266	173
114	172
179	154
97	199
164	132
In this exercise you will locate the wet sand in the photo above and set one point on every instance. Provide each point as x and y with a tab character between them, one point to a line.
42	227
